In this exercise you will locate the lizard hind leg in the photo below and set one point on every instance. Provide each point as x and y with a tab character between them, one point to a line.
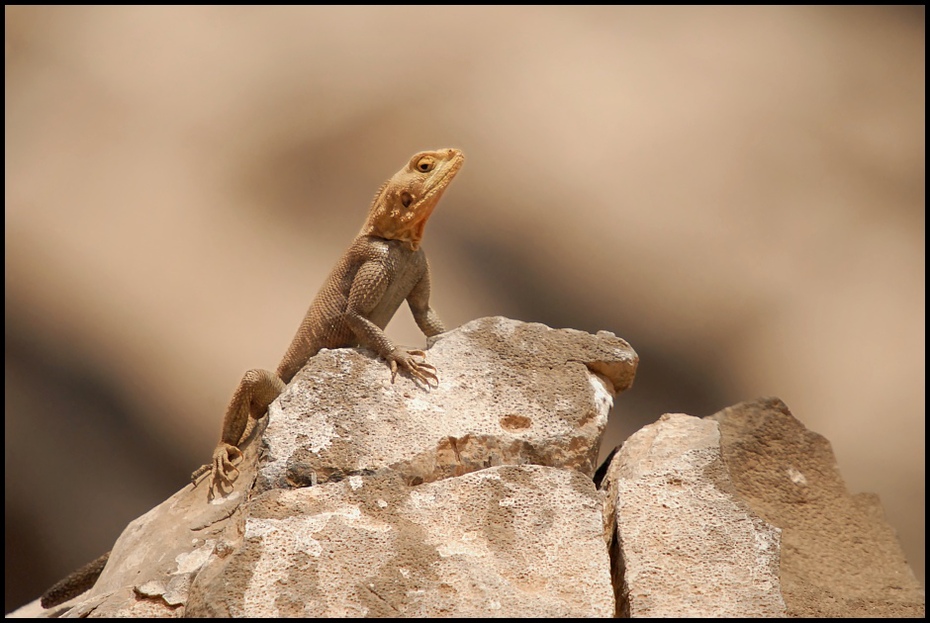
249	403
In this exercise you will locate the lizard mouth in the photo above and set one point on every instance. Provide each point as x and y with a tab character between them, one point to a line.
425	206
438	181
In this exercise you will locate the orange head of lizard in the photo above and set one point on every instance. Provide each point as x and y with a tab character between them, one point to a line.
405	202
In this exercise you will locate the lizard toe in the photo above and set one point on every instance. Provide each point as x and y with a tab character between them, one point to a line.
425	373
200	471
419	370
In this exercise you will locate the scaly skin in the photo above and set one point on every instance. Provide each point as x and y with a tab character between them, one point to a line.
382	267
78	582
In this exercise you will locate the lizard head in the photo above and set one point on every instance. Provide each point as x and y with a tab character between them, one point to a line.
404	203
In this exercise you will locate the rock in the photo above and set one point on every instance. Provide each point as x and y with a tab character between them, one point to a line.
155	558
504	541
473	498
683	543
510	393
840	558
365	498
744	513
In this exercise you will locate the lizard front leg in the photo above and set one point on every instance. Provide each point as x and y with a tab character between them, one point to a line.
371	336
370	284
256	390
418	301
426	318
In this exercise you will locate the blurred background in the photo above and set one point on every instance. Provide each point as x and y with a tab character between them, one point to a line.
738	192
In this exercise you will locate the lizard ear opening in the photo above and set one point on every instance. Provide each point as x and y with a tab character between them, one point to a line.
406	199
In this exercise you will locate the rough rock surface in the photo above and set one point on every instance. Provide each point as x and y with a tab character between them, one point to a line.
475	499
839	557
153	562
684	544
510	393
731	514
414	510
504	541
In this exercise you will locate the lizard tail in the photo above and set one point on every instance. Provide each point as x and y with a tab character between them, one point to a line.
78	582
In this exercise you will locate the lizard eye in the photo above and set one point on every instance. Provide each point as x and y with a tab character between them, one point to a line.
425	164
406	199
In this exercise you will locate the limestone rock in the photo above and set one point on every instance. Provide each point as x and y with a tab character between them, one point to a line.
504	541
365	498
510	393
840	558
744	513
158	554
684	545
473	498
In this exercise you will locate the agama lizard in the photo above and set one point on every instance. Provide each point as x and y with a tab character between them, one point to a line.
382	267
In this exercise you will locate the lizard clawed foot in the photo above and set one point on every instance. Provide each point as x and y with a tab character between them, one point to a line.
419	370
223	469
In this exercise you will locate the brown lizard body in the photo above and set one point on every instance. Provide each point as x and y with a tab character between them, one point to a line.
382	267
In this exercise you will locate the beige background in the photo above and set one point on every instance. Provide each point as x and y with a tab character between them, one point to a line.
739	193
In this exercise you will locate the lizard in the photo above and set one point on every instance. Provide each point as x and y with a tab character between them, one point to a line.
383	266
